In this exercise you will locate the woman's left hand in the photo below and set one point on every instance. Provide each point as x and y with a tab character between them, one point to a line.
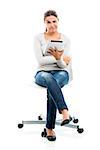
56	53
66	59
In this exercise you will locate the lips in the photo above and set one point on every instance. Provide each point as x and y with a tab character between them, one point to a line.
52	28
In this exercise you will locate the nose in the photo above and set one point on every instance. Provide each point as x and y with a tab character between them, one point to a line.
52	24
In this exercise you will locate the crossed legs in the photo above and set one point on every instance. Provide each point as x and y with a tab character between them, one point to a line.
53	81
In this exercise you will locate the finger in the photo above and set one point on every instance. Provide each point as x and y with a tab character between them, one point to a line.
51	50
60	52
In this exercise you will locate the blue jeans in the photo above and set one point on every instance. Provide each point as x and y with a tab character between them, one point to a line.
53	80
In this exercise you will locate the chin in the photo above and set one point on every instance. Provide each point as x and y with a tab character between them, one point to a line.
52	31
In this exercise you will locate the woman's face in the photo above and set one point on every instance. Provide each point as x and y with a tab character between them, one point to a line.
51	23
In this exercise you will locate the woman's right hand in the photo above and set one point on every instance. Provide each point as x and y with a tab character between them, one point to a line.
56	53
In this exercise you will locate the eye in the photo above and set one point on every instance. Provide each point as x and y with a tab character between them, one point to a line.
54	21
48	22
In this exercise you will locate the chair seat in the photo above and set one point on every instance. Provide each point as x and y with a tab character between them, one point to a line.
33	84
38	86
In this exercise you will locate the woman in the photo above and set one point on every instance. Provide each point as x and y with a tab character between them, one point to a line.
54	71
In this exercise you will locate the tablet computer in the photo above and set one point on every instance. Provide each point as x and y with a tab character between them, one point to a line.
58	44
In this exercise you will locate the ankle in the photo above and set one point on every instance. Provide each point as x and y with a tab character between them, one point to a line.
65	114
50	132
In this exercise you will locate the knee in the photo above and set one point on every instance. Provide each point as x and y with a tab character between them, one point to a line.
64	78
64	74
46	76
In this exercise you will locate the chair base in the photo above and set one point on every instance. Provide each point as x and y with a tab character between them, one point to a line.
73	124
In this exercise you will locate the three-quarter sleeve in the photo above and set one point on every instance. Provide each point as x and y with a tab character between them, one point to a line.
61	63
41	59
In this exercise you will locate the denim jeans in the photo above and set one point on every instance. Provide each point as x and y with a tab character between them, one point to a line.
53	80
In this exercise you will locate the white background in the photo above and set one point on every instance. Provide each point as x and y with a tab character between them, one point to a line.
20	20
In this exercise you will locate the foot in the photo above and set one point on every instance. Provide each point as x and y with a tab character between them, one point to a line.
66	121
51	135
66	117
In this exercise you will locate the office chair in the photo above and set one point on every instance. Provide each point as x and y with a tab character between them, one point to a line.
73	123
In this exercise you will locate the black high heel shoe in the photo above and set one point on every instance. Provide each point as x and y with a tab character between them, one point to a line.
51	137
66	121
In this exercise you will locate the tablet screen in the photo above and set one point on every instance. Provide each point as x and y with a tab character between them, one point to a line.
55	44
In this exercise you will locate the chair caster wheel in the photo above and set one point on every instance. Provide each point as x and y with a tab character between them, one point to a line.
44	133
80	130
75	121
20	125
40	118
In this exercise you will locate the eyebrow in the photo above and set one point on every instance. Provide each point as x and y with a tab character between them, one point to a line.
51	21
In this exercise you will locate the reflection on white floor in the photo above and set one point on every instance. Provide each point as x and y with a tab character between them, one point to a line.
30	137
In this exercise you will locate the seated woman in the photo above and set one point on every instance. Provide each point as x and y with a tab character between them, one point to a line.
54	71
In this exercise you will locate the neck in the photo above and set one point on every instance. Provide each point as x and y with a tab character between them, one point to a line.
52	33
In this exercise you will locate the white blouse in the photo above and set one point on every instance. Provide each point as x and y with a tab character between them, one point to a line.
49	62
